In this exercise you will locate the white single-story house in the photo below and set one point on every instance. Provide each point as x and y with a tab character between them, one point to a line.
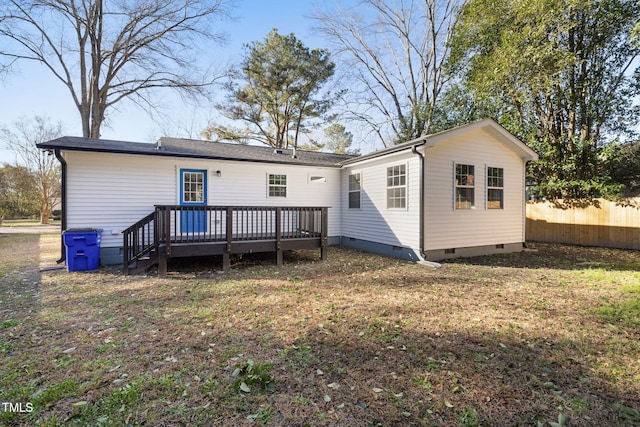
456	193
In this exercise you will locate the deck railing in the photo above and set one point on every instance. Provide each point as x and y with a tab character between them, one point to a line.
182	225
139	240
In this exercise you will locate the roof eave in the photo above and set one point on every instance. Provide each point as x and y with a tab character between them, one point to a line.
492	127
165	153
380	153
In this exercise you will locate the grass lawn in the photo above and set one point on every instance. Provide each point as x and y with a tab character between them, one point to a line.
544	338
26	222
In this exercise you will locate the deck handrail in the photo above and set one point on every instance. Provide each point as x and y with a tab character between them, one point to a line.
224	223
225	207
170	225
139	240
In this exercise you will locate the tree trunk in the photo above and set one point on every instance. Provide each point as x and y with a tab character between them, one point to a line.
44	217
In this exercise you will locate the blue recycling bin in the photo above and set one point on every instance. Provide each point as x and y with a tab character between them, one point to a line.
82	248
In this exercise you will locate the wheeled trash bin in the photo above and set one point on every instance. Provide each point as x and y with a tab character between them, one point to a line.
82	248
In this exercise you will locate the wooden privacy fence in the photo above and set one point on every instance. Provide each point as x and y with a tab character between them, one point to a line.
598	223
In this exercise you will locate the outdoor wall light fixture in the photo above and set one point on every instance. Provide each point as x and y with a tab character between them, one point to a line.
218	174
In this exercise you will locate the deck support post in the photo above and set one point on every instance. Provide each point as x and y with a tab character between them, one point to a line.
162	261
125	255
226	256
279	254
166	238
323	233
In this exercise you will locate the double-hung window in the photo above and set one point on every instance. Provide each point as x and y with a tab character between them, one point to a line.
277	185
495	188
354	191
465	187
397	187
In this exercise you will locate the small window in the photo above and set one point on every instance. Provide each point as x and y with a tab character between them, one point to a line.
397	187
495	188
465	187
354	191
277	185
313	179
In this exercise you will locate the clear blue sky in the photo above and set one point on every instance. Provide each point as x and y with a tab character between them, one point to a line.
32	90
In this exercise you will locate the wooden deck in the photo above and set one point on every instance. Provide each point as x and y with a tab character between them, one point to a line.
188	231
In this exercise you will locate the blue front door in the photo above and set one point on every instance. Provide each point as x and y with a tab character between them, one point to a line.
193	192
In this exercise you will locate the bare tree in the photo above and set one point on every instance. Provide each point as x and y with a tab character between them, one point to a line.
108	51
43	167
395	51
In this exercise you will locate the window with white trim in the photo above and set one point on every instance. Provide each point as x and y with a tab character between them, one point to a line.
495	188
193	186
397	187
277	185
354	191
465	186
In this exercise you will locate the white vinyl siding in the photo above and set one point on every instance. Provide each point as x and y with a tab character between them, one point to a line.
373	221
458	228
100	194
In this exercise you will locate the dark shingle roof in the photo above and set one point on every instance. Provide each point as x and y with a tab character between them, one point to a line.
176	147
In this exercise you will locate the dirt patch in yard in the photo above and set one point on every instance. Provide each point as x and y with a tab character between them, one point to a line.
519	339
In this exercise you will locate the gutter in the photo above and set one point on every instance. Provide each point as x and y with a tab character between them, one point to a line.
63	196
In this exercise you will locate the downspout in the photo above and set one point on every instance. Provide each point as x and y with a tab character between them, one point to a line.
63	196
414	150
524	205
